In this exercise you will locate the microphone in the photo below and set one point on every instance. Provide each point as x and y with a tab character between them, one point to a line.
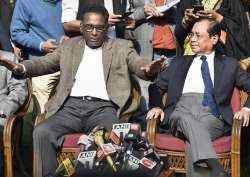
104	150
131	138
135	127
114	138
66	167
133	162
99	133
151	154
84	142
99	154
87	159
148	163
120	130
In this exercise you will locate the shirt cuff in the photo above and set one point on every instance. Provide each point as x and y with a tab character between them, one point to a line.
40	46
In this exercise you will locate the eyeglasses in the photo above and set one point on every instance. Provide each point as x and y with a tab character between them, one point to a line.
90	28
196	35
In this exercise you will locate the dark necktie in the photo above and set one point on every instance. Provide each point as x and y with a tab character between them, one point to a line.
208	98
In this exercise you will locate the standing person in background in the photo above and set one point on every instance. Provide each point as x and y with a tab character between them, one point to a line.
153	37
6	11
36	26
231	16
72	10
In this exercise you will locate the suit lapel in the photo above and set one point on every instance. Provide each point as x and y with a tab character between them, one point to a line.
107	57
77	56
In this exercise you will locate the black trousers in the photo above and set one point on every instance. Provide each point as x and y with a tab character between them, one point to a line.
75	116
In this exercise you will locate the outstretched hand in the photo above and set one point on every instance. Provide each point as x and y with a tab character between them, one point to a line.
154	66
17	69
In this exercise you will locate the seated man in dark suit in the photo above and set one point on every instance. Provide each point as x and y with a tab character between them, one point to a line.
199	89
93	88
13	91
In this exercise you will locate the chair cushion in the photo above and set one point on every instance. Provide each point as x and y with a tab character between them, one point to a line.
70	140
171	143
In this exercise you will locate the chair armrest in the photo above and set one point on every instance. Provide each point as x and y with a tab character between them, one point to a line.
236	136
235	147
152	129
11	122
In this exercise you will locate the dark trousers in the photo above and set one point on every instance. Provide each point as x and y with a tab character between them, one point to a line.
76	115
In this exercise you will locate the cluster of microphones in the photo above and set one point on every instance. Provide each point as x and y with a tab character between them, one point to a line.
122	150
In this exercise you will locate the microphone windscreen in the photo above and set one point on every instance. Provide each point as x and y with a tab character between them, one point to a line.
87	158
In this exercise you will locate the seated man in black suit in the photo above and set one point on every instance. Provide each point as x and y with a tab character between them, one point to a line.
199	89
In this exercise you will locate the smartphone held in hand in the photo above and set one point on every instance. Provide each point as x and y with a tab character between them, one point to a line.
126	14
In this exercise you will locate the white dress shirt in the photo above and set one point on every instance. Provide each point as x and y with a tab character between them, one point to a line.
194	82
89	79
70	10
